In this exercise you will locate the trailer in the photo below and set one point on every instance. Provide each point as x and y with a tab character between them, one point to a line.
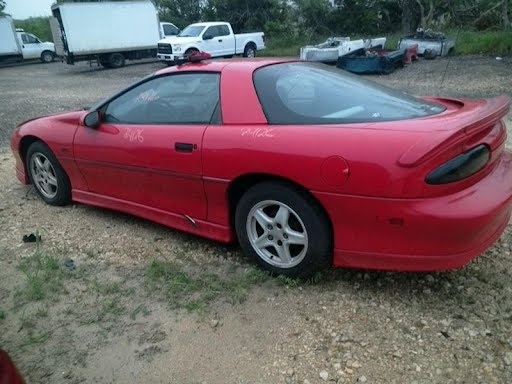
107	32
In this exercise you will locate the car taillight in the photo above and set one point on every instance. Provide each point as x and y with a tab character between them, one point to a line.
460	167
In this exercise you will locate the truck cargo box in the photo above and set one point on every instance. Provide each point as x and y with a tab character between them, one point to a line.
9	43
94	28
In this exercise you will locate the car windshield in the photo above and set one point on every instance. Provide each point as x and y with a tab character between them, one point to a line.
192	31
311	93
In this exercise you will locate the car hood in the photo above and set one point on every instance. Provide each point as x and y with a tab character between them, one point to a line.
180	40
69	117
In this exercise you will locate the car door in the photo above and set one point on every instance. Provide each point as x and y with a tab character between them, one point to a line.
215	45
30	46
147	148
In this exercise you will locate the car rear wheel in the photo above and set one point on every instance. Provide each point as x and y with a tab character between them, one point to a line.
46	174
47	57
284	230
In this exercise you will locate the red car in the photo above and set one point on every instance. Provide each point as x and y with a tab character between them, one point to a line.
306	165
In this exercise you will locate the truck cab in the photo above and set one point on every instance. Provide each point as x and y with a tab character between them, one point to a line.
33	48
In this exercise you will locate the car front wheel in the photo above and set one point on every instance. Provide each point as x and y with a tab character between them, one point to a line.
46	174
284	230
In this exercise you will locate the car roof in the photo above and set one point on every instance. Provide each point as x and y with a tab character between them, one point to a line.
249	65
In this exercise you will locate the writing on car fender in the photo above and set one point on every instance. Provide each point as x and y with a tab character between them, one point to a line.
258	132
134	135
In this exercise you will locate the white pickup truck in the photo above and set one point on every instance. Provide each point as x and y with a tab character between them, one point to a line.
215	38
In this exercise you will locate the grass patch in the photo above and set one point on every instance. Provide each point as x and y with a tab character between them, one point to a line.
141	309
195	292
109	304
44	278
34	339
2	314
490	42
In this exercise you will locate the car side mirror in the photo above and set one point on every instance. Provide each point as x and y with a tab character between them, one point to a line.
92	119
207	37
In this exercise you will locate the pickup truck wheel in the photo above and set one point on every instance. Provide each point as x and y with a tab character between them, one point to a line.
250	50
47	57
191	51
116	60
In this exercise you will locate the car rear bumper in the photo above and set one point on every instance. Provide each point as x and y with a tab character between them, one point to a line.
421	234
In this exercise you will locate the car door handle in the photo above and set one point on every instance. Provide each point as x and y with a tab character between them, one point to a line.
220	41
184	147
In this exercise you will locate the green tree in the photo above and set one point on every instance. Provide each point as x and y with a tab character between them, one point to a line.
2	7
39	26
180	12
247	15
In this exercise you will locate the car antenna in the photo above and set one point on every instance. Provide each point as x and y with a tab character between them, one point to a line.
448	62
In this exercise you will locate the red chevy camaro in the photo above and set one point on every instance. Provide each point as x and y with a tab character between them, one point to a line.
306	165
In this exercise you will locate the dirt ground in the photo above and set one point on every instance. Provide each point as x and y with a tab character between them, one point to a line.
109	298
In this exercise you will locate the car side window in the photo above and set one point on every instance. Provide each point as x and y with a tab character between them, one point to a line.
223	30
170	30
24	38
187	98
212	31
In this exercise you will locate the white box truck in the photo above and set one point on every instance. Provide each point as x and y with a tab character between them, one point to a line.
108	32
18	45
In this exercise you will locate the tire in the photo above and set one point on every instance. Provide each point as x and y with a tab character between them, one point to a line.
306	233
250	50
47	57
46	175
169	63
191	51
116	60
103	60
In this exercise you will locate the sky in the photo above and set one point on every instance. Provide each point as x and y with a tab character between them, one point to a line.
23	9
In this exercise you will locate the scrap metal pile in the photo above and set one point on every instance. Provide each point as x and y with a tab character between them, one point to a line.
368	56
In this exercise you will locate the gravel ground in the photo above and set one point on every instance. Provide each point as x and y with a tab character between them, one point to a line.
106	326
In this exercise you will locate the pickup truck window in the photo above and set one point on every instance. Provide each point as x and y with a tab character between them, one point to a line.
192	31
188	98
224	30
212	31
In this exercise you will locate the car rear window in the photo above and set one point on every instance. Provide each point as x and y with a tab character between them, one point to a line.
312	93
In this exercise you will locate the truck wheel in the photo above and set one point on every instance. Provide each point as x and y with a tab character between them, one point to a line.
47	57
250	50
190	51
116	60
